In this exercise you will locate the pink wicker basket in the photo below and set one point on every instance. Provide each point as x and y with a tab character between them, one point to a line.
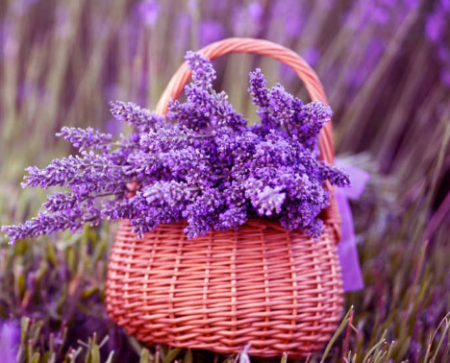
260	285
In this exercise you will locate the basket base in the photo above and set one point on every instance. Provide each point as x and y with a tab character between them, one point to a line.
260	285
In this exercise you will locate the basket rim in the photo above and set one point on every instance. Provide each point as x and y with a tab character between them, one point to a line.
256	222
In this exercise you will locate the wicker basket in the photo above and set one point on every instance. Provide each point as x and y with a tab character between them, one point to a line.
259	285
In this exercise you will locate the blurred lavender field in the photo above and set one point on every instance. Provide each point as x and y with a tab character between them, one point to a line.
386	68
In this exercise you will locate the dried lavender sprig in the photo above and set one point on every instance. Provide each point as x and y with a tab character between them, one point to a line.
89	168
203	73
131	113
86	138
258	90
72	219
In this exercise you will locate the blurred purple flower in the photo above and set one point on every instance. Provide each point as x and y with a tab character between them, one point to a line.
286	74
182	30
25	91
411	4
293	16
311	56
380	15
247	19
435	25
444	54
445	5
210	32
361	71
112	91
193	4
216	7
445	76
255	11
377	12
9	340
437	30
148	11
381	11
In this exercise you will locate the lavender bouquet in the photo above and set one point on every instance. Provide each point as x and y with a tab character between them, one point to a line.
201	163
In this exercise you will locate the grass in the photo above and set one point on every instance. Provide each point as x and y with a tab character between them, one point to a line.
61	61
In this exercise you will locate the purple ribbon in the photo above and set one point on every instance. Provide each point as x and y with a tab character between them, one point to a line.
348	253
9	341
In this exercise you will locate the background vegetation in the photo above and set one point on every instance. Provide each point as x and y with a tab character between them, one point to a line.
385	66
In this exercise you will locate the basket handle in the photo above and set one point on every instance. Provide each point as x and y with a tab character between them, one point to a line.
284	55
263	47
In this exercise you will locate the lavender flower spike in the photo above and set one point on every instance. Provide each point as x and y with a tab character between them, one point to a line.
83	139
131	113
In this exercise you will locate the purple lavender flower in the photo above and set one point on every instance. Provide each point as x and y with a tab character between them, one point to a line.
85	170
203	73
269	201
60	201
257	90
129	112
233	217
86	138
202	163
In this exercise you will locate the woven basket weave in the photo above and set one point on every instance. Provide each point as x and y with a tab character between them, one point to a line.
260	285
